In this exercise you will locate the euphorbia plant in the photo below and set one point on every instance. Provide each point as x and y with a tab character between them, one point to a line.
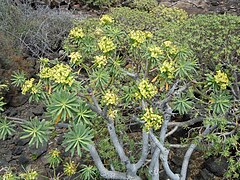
129	76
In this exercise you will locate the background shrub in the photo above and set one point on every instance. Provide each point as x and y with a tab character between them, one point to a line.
154	20
102	3
213	38
37	32
144	5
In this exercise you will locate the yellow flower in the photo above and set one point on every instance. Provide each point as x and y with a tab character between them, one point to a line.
8	176
45	73
27	86
147	89
70	168
155	51
59	73
100	61
106	19
98	31
139	37
54	153
148	34
137	95
62	74
29	175
110	98
173	49
76	33
106	44
168	68
34	90
221	79
152	120
76	58
112	113
167	43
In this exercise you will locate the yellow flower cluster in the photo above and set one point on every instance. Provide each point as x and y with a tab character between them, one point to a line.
152	120
46	73
30	174
98	31
8	176
147	90
110	98
139	37
172	14
76	33
221	79
155	51
112	113
70	168
106	19
168	68
54	153
167	43
59	73
106	44
171	47
75	58
34	89
100	61
27	86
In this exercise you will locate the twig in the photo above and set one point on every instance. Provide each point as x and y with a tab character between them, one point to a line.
172	131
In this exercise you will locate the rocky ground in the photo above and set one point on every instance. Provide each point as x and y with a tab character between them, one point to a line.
15	152
206	6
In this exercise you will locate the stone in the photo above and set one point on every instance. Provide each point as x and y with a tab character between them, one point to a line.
60	140
37	152
23	160
204	175
38	110
17	151
21	142
214	2
3	163
17	100
217	166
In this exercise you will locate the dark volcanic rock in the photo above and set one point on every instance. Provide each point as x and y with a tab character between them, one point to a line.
37	152
17	100
38	110
17	151
217	166
21	142
23	160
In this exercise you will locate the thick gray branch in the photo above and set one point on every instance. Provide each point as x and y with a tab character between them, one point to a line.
164	157
144	151
186	123
116	143
189	152
162	151
103	171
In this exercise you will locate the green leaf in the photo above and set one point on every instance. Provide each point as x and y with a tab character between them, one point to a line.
78	136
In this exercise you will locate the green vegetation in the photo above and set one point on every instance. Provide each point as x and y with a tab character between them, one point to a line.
143	5
139	66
